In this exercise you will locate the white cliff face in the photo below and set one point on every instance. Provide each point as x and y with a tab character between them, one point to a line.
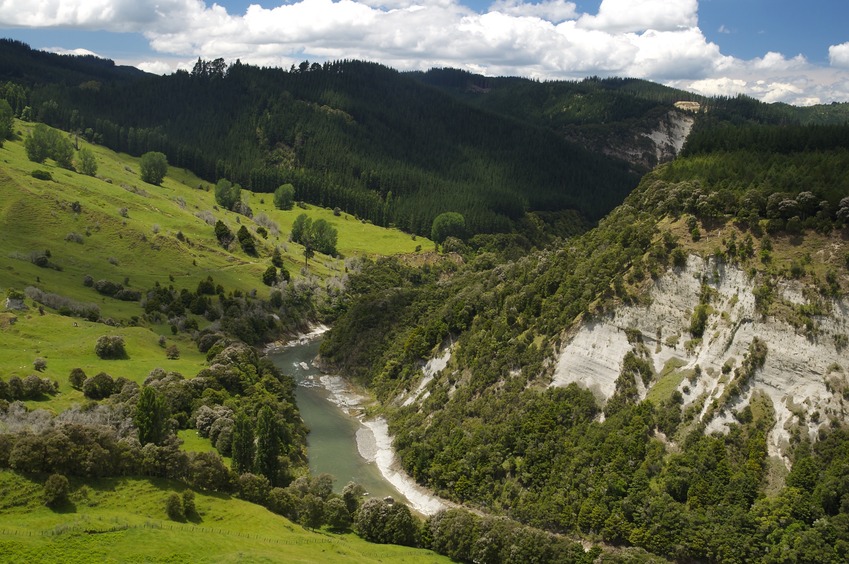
656	144
803	377
670	135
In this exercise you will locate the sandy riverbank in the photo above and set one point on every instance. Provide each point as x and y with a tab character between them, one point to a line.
375	445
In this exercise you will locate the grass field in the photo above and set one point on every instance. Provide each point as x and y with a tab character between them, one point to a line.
124	520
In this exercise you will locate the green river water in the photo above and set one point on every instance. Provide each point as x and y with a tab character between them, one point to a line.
332	441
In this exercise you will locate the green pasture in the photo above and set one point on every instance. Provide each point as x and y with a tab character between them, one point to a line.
124	520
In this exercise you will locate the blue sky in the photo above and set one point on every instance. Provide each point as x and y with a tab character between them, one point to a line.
774	50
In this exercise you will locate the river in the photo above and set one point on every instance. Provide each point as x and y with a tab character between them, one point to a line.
340	443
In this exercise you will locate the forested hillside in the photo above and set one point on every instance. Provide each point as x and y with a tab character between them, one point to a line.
659	461
619	116
348	134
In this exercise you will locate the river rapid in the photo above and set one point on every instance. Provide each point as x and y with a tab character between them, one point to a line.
341	441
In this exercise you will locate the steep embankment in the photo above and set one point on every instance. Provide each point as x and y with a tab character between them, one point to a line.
803	376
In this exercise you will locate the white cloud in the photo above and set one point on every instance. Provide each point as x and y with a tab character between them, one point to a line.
838	55
156	67
638	15
654	39
554	11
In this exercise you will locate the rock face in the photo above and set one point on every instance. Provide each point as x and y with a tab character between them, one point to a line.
647	145
804	377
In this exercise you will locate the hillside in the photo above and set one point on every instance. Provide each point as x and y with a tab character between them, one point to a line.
348	134
125	521
674	379
112	259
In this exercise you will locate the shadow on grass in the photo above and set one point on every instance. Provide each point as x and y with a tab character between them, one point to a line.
63	506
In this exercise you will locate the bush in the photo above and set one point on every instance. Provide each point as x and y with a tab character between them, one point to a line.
107	287
174	507
77	378
42	175
284	197
56	490
110	347
172	352
39	364
154	167
99	386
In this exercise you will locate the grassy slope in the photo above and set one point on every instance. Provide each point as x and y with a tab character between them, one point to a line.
98	526
36	215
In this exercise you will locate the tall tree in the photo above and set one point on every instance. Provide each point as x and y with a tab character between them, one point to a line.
267	445
151	416
243	444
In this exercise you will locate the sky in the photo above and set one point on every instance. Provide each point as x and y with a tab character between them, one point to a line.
774	50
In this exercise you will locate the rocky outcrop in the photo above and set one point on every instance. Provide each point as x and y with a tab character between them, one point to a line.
804	376
644	146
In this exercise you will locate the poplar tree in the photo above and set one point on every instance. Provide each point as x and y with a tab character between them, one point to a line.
267	445
151	416
243	444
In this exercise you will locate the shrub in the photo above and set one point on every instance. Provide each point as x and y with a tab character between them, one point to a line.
110	347
74	237
107	287
154	167
174	507
77	378
172	352
42	175
39	364
99	386
56	490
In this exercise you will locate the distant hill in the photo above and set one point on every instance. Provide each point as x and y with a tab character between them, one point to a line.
349	134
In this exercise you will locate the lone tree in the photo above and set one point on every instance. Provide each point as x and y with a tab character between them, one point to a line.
86	162
284	197
448	224
154	167
151	416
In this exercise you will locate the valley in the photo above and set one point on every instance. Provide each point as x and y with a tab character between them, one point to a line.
592	321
